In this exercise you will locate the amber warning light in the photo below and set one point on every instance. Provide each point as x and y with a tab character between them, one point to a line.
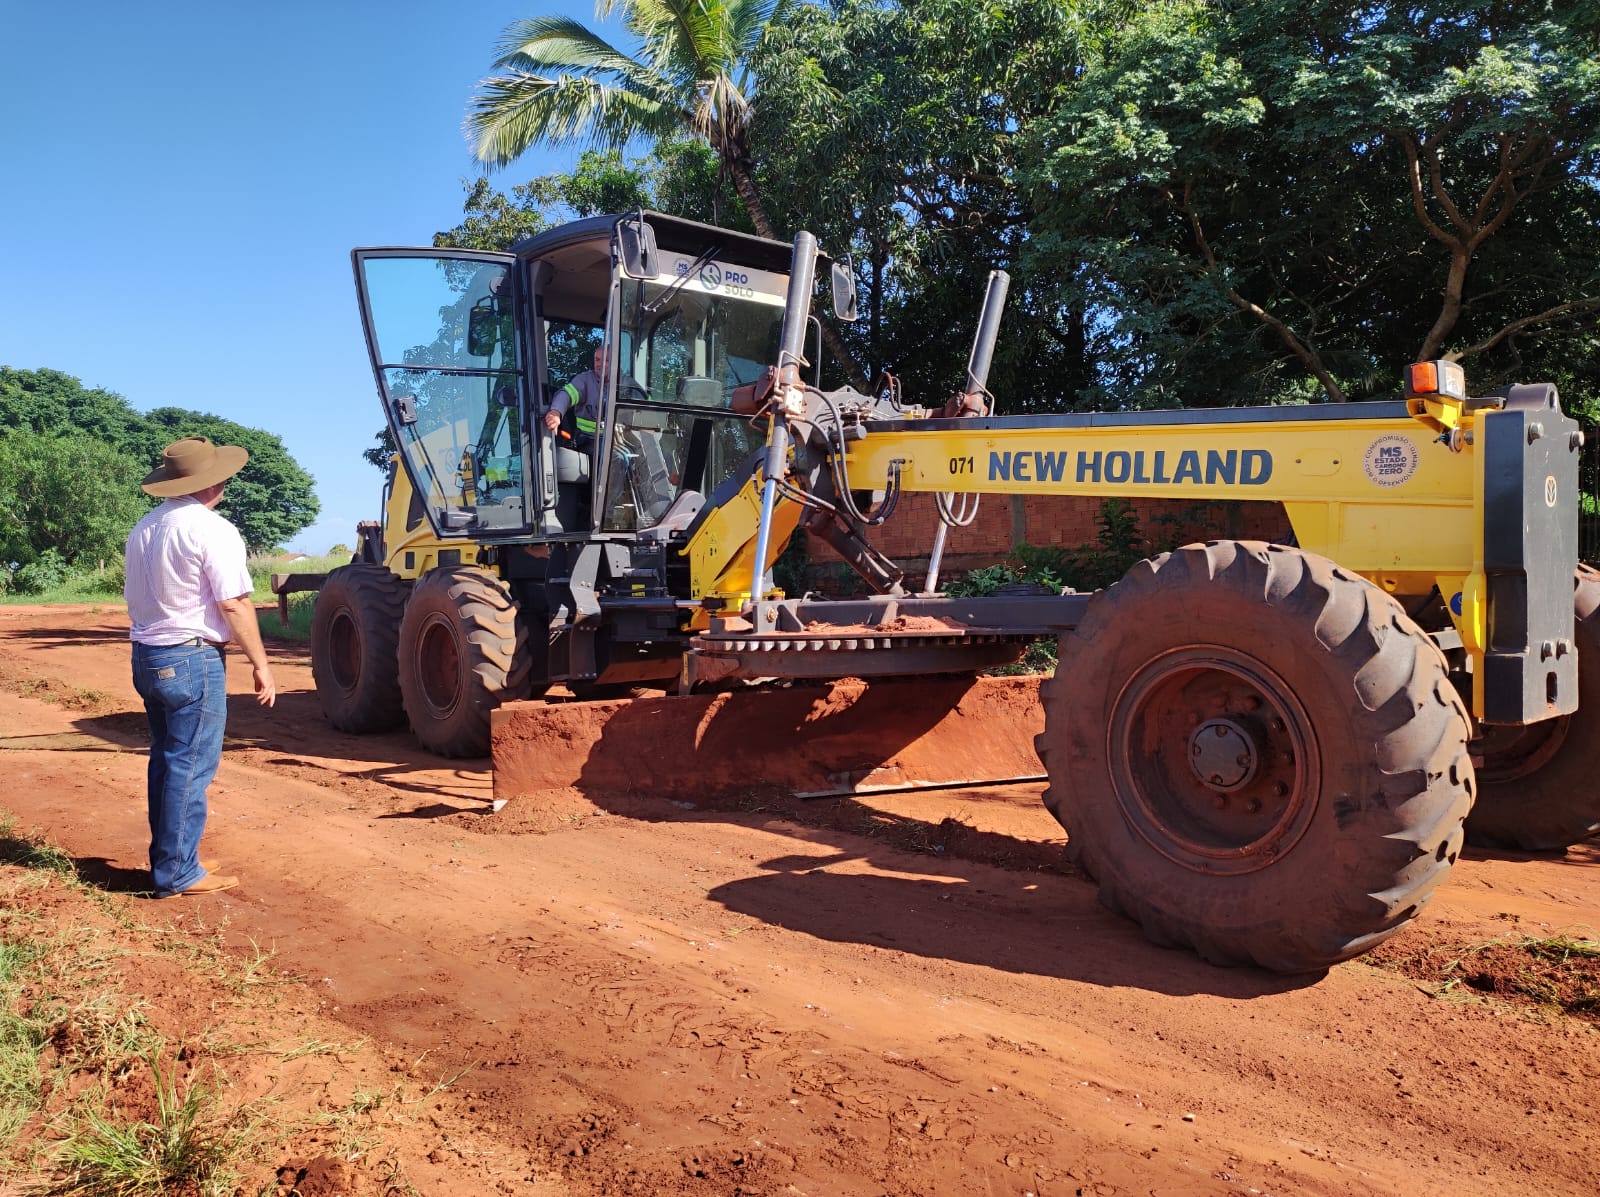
1445	379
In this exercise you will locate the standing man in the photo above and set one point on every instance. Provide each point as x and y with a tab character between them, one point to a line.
188	589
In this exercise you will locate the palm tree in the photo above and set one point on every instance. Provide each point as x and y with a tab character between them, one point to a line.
561	82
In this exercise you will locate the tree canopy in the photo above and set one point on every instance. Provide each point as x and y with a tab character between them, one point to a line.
1291	200
1200	202
72	457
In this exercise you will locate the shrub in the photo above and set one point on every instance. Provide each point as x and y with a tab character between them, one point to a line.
44	572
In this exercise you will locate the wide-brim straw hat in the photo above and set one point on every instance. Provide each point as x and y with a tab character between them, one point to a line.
192	465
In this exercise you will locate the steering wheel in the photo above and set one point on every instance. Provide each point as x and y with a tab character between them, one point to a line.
627	388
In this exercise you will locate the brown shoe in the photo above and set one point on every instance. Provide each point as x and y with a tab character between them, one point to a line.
210	884
211	866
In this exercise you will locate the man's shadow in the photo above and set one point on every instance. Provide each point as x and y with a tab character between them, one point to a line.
97	871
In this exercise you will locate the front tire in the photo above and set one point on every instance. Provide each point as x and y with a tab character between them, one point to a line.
1537	786
355	634
1257	755
462	653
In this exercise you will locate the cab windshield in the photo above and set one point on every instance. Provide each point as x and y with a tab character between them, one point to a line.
686	340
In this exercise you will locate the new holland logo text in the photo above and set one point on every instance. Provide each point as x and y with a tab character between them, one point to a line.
1188	467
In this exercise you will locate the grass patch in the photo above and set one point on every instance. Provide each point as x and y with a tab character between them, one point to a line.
22	1039
301	607
139	1059
1554	973
190	1145
103	585
301	604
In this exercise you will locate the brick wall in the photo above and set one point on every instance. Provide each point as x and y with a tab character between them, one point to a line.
1006	521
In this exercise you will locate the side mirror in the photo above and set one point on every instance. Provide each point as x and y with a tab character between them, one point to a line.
636	246
844	290
483	327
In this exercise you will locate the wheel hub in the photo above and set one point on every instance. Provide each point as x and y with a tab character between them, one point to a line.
1213	760
1223	755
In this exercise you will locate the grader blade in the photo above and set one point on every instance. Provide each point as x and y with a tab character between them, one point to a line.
845	737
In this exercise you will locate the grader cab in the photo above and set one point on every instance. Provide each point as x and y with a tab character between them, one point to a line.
1265	752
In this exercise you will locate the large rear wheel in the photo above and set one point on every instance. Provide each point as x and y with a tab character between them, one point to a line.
1537	785
1257	755
355	631
462	653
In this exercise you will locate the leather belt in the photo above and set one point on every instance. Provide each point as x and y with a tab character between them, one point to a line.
197	641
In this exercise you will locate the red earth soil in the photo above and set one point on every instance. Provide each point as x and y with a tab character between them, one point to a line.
900	995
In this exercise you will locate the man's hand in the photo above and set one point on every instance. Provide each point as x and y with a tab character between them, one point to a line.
266	687
552	419
240	614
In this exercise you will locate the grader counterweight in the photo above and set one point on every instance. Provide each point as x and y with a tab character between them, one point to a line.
1260	751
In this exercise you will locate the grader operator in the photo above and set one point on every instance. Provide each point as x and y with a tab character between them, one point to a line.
1263	752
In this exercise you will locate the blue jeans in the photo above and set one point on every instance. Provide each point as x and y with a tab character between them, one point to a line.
185	692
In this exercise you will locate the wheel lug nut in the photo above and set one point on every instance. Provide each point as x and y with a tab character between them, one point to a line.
1278	725
1253	806
1216	779
1220	801
1279	789
1242	760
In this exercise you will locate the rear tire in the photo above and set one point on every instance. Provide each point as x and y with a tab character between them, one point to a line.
1537	789
463	652
355	634
1257	755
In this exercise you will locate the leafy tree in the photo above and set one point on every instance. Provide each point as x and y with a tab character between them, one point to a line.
269	500
494	221
907	156
1289	200
679	176
50	401
67	493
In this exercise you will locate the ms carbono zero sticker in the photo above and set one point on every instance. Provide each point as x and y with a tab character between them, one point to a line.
1391	460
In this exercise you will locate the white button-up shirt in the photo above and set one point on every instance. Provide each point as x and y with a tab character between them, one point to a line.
181	559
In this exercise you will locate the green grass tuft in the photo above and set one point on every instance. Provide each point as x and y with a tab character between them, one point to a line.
188	1148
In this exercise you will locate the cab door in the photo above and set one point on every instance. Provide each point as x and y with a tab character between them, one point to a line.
443	334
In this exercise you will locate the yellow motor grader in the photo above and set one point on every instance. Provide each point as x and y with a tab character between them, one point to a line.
1265	752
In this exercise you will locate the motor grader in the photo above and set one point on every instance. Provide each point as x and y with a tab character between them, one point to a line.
1263	751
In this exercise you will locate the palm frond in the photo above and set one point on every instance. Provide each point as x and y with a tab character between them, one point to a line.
558	44
749	20
684	39
513	112
560	81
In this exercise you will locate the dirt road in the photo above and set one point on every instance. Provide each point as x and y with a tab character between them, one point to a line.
903	998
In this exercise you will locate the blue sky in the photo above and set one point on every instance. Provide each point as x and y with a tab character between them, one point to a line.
181	185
